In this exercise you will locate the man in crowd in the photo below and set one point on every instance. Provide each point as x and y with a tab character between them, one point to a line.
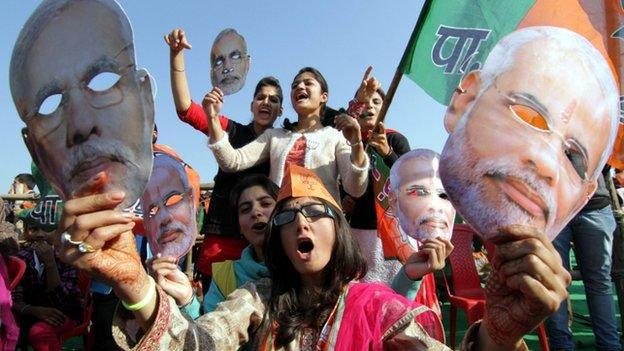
591	231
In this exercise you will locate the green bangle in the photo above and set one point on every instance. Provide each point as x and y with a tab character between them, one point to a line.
148	297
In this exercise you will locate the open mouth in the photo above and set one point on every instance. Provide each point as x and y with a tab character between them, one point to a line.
259	227
305	246
523	195
265	111
301	96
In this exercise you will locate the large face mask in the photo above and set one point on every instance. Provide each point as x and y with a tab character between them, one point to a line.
88	110
169	208
527	148
229	63
419	201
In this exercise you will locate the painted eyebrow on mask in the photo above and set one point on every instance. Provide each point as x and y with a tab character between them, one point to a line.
103	64
107	62
51	88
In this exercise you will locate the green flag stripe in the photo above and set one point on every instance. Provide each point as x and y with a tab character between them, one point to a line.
455	38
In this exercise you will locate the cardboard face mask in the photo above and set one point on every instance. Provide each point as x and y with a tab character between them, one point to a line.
417	198
169	208
530	133
88	110
229	61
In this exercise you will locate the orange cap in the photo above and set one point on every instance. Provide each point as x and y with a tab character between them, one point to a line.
301	182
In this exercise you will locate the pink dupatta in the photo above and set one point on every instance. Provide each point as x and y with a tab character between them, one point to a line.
9	331
370	310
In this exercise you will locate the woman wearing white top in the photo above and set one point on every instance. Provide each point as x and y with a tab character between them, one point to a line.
325	150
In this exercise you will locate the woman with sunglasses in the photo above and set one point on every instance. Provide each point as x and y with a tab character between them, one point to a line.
330	153
252	202
312	300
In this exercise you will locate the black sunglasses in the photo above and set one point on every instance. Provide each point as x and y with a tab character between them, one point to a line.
308	211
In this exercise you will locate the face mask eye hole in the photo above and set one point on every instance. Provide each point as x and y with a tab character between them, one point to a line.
578	162
50	104
103	81
173	199
529	116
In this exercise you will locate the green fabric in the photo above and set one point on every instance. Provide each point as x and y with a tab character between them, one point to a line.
402	284
454	37
47	211
224	276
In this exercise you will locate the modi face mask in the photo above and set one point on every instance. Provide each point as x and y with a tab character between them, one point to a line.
418	199
169	206
229	61
530	132
88	110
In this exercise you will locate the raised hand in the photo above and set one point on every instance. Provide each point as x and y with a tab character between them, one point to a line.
177	40
368	86
171	279
379	140
212	103
429	258
349	127
111	257
526	285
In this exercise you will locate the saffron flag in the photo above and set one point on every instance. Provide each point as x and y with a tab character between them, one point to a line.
453	38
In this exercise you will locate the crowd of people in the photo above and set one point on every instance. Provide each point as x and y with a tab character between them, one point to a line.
292	256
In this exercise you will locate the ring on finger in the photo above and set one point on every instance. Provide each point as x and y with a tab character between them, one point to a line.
66	239
85	248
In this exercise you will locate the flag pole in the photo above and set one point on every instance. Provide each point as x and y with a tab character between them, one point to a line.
404	60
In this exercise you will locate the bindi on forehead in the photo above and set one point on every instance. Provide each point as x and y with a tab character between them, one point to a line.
568	112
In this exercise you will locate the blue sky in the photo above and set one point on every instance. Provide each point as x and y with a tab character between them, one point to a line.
340	38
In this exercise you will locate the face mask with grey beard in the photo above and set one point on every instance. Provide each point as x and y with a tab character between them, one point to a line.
462	179
132	182
415	228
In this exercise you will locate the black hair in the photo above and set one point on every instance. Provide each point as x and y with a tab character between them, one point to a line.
379	91
26	178
270	82
293	306
246	183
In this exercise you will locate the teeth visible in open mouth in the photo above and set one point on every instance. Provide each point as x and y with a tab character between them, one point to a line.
302	96
305	246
